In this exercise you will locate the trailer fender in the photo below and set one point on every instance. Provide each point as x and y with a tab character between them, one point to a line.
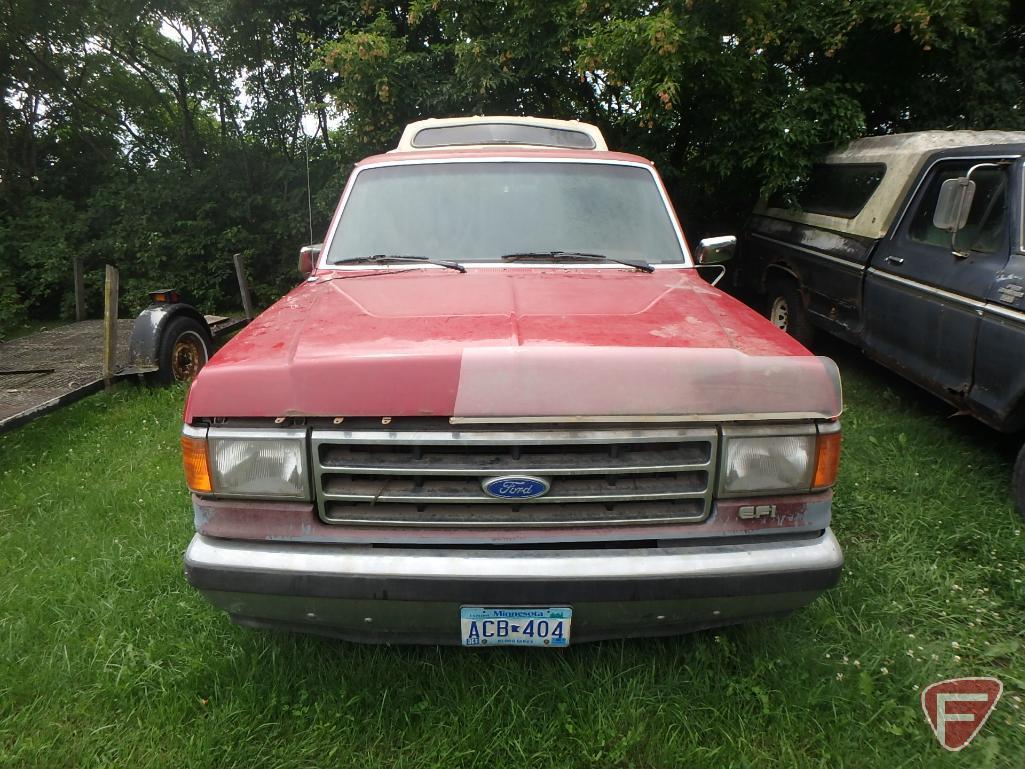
144	347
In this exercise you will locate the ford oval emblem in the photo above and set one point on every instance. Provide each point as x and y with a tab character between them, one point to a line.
515	487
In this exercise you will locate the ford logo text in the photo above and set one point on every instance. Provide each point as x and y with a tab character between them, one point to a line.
515	487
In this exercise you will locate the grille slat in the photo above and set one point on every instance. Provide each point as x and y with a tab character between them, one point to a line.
468	490
581	514
597	477
344	459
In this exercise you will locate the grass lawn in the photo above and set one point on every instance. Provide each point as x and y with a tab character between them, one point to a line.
108	658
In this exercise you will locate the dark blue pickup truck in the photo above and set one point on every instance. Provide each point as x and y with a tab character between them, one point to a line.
912	247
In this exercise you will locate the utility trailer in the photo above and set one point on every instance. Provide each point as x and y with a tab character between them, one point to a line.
169	341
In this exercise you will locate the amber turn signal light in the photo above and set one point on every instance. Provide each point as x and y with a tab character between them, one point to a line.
166	296
827	460
197	468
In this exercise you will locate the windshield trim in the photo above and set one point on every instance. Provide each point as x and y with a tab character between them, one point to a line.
323	264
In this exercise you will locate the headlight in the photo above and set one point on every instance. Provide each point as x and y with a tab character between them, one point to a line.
773	460
255	463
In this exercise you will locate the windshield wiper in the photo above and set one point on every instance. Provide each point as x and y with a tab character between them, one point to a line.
383	258
574	256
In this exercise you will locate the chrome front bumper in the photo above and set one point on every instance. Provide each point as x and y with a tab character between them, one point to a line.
400	595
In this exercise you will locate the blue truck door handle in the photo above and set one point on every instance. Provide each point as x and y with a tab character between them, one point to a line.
895	260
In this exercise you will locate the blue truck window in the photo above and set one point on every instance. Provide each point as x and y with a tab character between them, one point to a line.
834	189
987	221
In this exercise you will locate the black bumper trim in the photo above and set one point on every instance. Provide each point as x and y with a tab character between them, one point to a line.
474	591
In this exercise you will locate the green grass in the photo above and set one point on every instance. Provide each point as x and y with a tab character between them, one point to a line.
107	657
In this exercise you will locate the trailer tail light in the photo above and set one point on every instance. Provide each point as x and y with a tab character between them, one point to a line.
197	466
165	296
827	460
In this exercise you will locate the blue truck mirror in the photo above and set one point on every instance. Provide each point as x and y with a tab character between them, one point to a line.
954	204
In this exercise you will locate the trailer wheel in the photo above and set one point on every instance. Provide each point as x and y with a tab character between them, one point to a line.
184	350
1018	482
784	307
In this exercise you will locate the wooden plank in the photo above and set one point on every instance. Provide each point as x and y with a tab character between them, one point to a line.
110	286
243	285
227	325
66	361
46	406
79	288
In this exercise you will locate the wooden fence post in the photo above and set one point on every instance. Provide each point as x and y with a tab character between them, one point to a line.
243	285
79	288
110	286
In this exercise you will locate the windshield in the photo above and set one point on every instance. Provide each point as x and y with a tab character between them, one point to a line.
480	212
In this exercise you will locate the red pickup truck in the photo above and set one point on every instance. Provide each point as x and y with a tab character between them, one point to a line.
506	408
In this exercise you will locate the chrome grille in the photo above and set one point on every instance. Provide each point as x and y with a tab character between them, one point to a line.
433	477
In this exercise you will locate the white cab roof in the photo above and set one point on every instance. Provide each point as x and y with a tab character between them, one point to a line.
903	155
579	135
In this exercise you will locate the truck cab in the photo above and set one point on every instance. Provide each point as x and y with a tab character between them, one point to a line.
504	408
866	251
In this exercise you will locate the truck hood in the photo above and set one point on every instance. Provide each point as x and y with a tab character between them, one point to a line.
512	342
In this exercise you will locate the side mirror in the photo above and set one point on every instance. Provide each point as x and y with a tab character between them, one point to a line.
308	256
716	250
954	204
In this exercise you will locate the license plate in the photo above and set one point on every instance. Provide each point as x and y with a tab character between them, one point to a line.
481	626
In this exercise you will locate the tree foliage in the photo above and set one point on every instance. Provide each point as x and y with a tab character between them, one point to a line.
163	136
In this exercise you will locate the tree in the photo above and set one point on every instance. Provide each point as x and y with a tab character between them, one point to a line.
732	99
165	135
